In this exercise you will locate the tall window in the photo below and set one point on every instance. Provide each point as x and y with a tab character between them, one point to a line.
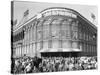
33	33
39	35
65	29
38	46
74	35
74	29
55	29
45	31
46	28
80	35
50	44
33	48
45	45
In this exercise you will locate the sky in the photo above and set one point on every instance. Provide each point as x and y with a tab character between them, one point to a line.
35	7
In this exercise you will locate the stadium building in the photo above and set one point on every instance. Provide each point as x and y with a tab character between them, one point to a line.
55	31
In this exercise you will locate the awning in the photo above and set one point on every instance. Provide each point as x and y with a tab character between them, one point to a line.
76	50
60	50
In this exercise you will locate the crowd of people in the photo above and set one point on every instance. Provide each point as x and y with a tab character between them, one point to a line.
52	64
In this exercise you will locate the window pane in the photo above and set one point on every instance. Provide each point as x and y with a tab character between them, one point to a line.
66	44
63	33
39	28
45	27
33	49
64	27
74	35
30	52
25	50
74	28
80	35
75	45
68	34
20	50
46	22
50	44
33	34
28	49
39	35
65	22
45	45
55	44
58	21
38	46
74	24
46	32
55	31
